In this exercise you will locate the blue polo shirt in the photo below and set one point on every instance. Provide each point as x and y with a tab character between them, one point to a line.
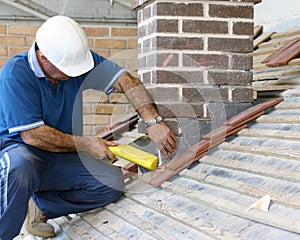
28	100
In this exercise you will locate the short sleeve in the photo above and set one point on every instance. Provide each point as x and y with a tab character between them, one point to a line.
104	75
20	104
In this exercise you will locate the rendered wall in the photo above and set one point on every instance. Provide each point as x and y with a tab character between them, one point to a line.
278	15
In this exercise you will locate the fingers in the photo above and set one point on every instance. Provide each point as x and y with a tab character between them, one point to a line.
107	152
169	147
165	139
111	143
170	142
104	151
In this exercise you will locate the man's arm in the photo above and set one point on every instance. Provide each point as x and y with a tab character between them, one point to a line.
140	98
53	140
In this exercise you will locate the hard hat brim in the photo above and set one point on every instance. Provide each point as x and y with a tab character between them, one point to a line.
79	69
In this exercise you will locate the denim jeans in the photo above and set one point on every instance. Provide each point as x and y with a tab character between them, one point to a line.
60	184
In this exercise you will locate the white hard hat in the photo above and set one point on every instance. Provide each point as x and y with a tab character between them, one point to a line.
64	44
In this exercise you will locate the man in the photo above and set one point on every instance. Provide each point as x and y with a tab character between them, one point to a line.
47	169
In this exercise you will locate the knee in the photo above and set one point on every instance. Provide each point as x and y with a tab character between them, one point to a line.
116	186
114	189
105	194
111	177
114	195
110	195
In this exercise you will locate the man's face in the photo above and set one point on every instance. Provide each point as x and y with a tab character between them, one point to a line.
49	69
53	73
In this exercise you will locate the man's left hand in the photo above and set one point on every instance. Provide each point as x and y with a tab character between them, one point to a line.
164	138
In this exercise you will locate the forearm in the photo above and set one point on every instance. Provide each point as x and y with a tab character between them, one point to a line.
138	96
53	140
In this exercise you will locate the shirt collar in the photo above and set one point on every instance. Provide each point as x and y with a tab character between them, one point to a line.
33	62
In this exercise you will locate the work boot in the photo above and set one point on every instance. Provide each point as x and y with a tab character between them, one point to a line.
36	222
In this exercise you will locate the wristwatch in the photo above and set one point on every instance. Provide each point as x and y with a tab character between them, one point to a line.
153	121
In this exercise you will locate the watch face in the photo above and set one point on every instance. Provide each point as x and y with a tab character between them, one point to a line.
153	121
158	119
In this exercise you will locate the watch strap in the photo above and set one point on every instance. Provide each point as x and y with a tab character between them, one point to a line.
153	121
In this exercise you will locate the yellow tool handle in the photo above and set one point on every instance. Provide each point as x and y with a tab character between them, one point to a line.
135	155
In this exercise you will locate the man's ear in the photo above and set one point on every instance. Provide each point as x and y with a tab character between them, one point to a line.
44	59
42	56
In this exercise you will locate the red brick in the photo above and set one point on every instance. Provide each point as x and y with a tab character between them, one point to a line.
181	110
142	62
250	1
190	94
233	78
161	59
178	77
230	11
202	126
205	26
163	26
174	126
139	17
147	44
205	60
205	94
242	62
146	13
243	28
165	94
135	4
179	43
179	9
146	78
240	45
242	94
143	31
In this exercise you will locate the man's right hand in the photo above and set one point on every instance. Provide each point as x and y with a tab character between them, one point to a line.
96	147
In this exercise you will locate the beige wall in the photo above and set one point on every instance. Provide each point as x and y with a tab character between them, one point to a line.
117	43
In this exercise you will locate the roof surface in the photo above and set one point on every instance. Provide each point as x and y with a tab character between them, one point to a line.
210	199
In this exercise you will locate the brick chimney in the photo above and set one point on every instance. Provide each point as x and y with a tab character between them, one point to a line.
193	58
